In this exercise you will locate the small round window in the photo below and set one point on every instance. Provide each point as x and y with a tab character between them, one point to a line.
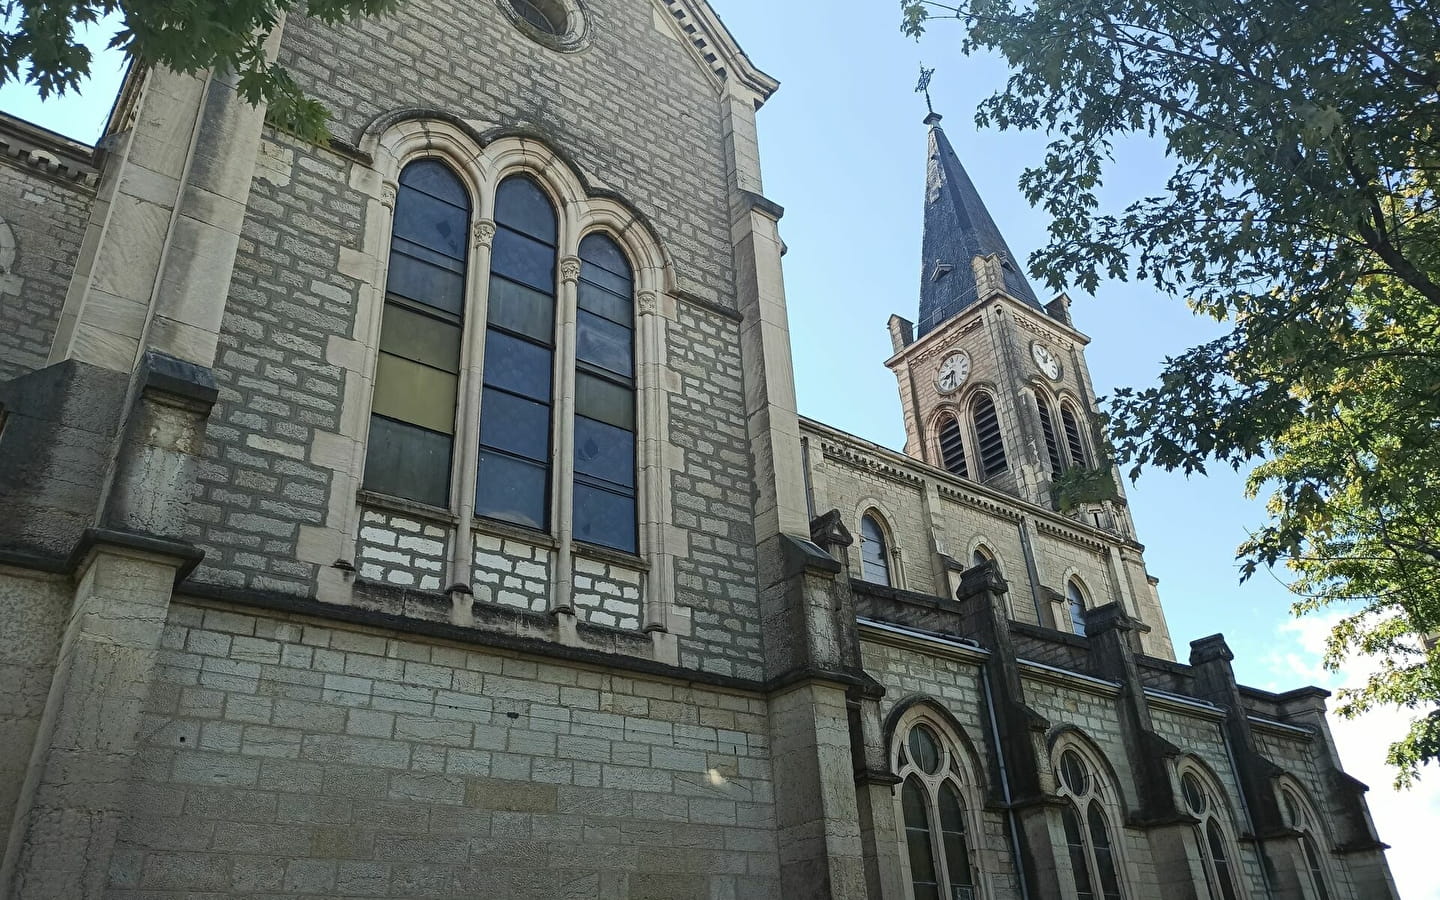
1194	794
557	24
1073	774
924	750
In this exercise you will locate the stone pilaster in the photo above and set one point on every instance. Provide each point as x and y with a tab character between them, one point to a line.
73	797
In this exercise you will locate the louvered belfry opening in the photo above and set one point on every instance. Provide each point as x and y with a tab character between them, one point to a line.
1072	436
952	447
1047	429
987	433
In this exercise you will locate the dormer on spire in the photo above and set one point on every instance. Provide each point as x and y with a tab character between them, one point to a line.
958	230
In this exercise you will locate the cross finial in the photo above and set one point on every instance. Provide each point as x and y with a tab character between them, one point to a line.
923	87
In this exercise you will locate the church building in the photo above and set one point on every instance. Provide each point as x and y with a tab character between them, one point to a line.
428	514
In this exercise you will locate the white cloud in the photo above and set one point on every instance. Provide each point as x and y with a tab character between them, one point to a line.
1405	819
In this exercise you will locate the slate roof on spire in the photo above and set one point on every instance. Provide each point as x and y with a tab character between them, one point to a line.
958	228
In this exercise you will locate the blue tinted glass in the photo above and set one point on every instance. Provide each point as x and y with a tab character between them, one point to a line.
602	302
616	284
517	366
511	489
436	179
431	223
605	518
512	423
404	461
604	451
602	343
426	283
522	259
520	204
601	250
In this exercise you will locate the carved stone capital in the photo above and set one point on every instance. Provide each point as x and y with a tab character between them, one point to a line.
647	303
570	269
388	190
484	233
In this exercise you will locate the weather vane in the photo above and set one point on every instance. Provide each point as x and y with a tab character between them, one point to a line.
924	86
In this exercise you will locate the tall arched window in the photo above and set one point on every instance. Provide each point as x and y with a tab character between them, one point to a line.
605	397
987	434
936	817
417	375
514	473
1216	856
1075	604
874	553
1047	432
1299	816
1073	442
952	447
1094	865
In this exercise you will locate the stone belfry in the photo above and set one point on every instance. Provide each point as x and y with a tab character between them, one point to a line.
993	383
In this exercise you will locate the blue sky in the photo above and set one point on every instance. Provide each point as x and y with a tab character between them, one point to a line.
843	150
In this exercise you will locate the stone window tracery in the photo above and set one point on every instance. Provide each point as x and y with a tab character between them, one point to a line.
1217	856
936	811
1298	815
1090	845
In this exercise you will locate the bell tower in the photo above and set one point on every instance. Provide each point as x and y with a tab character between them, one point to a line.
993	384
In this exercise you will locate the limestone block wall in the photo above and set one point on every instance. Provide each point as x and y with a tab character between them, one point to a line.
287	757
33	610
405	551
42	222
908	674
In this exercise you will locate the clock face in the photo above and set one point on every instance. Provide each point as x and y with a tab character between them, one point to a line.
1046	359
953	372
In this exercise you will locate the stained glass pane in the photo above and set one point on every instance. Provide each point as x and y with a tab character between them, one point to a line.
604	400
1317	874
923	877
952	833
1073	773
517	366
600	250
405	461
619	308
523	310
602	343
513	490
410	392
1079	857
604	517
605	452
426	282
521	204
1221	859
514	424
436	179
874	564
435	224
523	259
1104	855
420	338
1194	793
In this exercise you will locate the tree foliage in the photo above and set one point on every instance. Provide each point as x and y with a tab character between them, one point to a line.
1300	211
40	46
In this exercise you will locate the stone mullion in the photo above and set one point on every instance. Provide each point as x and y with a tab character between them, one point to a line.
650	462
472	380
563	455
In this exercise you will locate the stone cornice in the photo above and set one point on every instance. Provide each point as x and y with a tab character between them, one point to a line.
52	155
714	44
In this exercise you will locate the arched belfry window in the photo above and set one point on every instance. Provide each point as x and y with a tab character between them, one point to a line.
417	375
1089	840
1075	605
937	809
952	447
515	435
1047	432
1074	444
1300	817
874	551
990	441
1211	836
605	396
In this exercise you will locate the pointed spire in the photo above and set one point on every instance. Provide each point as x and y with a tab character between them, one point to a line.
958	228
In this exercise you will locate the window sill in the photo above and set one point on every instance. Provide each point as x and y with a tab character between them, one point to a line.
611	556
425	511
509	531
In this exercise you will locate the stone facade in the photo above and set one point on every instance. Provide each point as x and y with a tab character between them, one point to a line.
234	671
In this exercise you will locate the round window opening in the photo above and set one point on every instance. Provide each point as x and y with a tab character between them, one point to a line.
557	24
924	750
1073	774
1194	794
